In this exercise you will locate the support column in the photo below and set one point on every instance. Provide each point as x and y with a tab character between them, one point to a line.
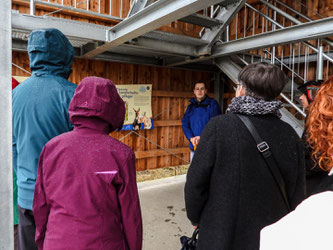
32	7
218	89
320	63
6	174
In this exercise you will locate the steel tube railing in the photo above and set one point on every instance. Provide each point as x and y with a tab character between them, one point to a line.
290	17
320	63
282	26
293	104
282	95
32	7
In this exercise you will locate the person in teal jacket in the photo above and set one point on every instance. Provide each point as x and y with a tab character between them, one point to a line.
15	83
198	113
40	112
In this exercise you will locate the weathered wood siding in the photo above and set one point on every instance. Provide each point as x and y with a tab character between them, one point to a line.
171	92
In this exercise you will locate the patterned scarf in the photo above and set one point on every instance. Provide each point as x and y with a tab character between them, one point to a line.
249	105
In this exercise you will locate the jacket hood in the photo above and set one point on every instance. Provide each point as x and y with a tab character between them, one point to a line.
97	97
50	53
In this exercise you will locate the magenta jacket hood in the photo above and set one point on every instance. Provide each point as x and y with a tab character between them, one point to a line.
97	97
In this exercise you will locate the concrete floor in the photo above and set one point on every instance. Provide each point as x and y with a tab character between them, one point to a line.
163	212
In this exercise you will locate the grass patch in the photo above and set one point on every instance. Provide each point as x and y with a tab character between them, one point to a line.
153	174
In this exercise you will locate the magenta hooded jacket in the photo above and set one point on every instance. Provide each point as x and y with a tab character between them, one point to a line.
86	194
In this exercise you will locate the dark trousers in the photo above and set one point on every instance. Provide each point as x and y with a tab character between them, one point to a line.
15	237
26	230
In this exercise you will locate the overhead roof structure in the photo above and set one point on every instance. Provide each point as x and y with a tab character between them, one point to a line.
135	39
150	18
297	33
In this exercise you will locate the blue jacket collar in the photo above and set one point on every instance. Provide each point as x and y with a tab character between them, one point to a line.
204	101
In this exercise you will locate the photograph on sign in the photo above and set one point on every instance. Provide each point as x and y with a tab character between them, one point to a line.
137	98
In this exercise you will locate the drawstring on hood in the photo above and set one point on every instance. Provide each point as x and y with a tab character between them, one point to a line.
50	53
97	97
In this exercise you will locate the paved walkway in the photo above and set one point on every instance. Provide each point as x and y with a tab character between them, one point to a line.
163	211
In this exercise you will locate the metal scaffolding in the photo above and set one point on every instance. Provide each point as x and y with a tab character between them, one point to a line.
152	17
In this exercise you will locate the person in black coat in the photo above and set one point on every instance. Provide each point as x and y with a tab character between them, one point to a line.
229	192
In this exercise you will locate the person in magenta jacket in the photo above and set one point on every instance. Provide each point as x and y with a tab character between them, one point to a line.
86	195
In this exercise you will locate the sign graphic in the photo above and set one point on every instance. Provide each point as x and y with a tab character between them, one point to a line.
137	98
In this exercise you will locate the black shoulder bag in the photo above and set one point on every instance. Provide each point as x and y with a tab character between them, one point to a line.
190	243
263	148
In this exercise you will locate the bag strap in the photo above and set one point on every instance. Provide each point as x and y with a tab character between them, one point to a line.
195	233
263	148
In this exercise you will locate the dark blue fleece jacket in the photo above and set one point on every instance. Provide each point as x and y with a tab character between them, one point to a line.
197	116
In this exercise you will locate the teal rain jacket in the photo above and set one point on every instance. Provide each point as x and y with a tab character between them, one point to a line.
40	106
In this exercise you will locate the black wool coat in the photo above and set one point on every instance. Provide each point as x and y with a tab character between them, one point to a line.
230	192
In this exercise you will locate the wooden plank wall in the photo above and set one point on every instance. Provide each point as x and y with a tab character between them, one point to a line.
171	92
118	8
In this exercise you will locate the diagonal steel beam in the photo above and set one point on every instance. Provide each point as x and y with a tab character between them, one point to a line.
297	33
152	17
228	67
290	17
225	16
302	32
117	57
232	70
201	20
281	26
138	6
163	46
68	27
173	45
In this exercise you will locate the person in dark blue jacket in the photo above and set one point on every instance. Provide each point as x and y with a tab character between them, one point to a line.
201	109
40	112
